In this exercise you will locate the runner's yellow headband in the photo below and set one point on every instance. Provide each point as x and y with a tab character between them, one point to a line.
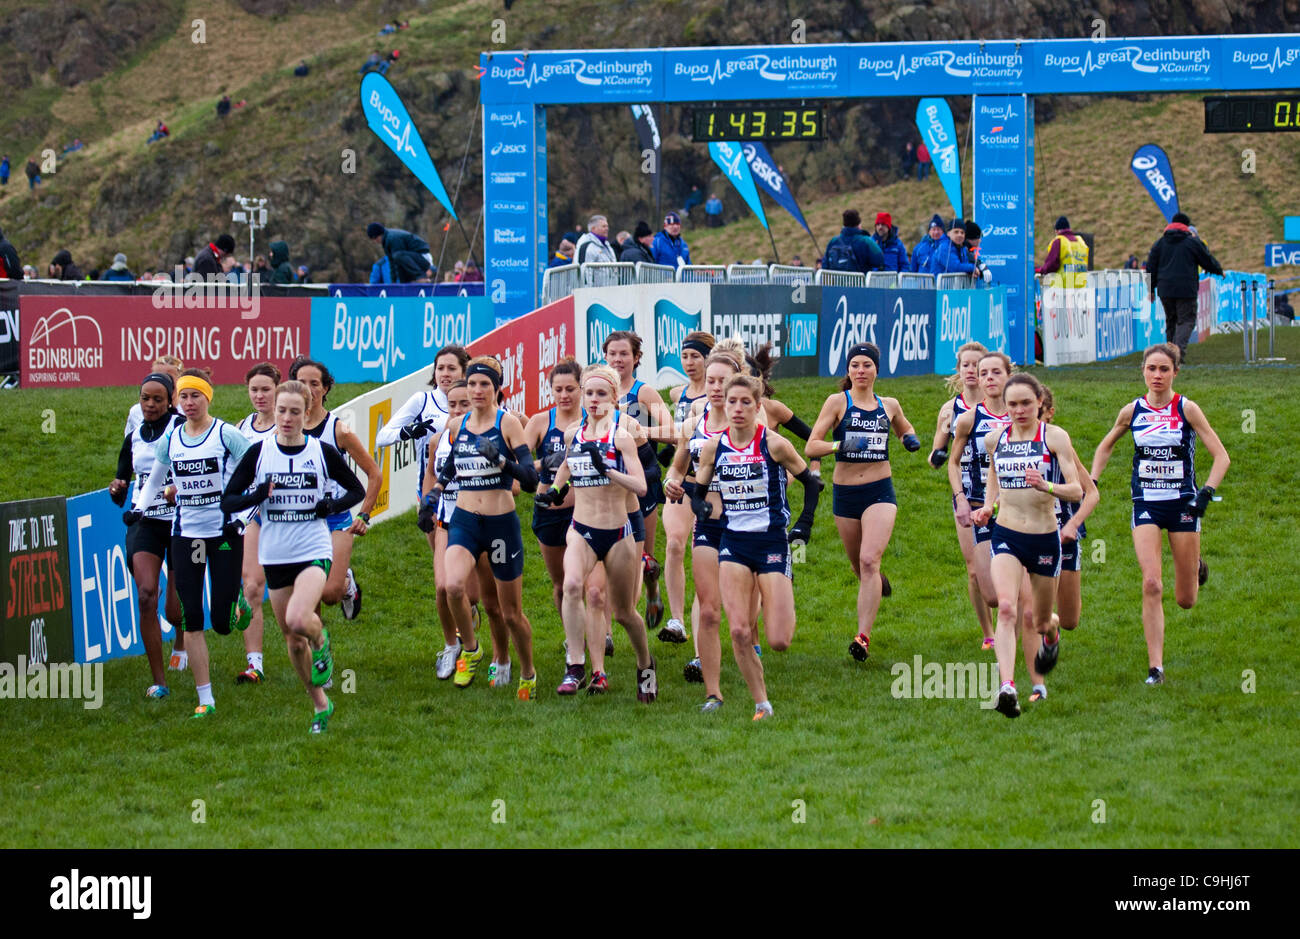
197	383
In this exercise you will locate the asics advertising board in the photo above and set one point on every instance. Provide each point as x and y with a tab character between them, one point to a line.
899	322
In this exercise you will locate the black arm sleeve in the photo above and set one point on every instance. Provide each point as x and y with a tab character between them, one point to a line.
125	465
338	470
812	490
798	428
235	498
522	469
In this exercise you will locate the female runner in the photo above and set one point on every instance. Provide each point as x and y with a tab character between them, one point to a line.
965	388
599	452
1070	517
289	475
696	347
1165	427
1025	537
750	464
864	502
201	453
262	381
968	466
342	587
488	451
148	541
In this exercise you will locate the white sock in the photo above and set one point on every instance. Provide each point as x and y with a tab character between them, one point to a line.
1041	689
255	660
205	694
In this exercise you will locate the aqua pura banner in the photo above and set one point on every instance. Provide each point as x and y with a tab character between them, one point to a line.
934	121
769	177
388	118
1150	164
731	158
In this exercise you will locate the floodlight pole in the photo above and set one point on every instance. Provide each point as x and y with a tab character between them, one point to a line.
252	211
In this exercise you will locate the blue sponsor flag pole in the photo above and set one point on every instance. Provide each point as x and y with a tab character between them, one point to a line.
730	157
772	179
1151	166
934	121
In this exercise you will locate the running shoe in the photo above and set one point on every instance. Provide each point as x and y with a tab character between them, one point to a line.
351	602
860	647
762	711
694	672
322	661
1202	572
674	631
157	691
467	665
886	588
1045	658
609	645
329	684
321	719
446	661
654	603
647	683
1155	676
987	643
1008	700
1040	693
249	676
178	662
711	704
574	675
527	689
758	650
241	614
599	683
499	675
204	710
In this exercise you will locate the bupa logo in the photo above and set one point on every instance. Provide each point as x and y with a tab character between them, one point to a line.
615	72
369	335
1280	59
954	320
943	149
1171	60
447	325
672	323
1003	113
397	129
508	236
848	330
793	67
514	119
909	337
601	321
507	148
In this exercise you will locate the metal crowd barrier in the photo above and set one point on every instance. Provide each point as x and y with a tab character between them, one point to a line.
560	282
825	278
746	274
909	281
603	274
788	274
655	273
886	279
701	274
956	282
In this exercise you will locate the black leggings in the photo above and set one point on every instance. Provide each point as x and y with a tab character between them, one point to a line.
224	561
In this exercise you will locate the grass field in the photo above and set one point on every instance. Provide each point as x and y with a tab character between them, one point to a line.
410	761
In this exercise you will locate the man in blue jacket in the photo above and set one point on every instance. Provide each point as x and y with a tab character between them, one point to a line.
891	246
408	254
669	246
853	249
949	257
921	254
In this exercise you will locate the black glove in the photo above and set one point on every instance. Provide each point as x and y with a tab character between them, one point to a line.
325	508
938	457
416	429
1202	500
119	498
232	529
701	506
911	443
666	455
425	519
801	532
551	497
488	450
593	450
554	461
131	516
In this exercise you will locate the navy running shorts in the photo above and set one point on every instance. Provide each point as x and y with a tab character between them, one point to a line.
1172	515
653	497
852	501
707	534
1071	555
498	535
637	521
552	525
1039	553
762	552
601	540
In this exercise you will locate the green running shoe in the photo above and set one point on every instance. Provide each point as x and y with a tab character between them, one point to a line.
321	719
241	614
322	661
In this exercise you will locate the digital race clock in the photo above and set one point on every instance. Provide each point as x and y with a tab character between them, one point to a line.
1252	114
758	123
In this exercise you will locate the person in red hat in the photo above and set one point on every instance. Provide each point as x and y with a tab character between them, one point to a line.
891	246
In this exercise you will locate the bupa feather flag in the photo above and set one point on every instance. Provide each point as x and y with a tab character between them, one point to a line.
731	158
388	118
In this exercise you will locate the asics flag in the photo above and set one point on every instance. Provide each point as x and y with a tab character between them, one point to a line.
934	121
388	118
1151	166
729	155
647	132
769	177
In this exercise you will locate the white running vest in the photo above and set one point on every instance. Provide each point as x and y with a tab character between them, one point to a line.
200	472
290	529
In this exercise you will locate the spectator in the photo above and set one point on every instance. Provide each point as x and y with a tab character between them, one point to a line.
216	258
262	269
621	241
641	247
4	171
302	69
223	106
118	270
304	274
909	159
408	253
563	254
891	246
713	210
381	271
853	249
159	132
62	268
669	246
1132	264
972	245
1066	264
593	247
695	198
457	271
281	272
373	64
1173	265
30	272
949	256
921	255
189	264
1282	307
471	274
10	267
33	174
237	273
923	164
73	147
391	58
796	261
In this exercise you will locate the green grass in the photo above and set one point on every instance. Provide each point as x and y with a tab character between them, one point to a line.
410	761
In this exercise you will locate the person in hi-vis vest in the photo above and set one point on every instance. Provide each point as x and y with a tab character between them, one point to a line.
1066	264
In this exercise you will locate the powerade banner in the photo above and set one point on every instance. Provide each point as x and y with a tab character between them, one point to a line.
9	332
934	121
899	322
768	176
647	132
1152	168
514	210
388	118
963	316
36	615
759	315
378	339
731	158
